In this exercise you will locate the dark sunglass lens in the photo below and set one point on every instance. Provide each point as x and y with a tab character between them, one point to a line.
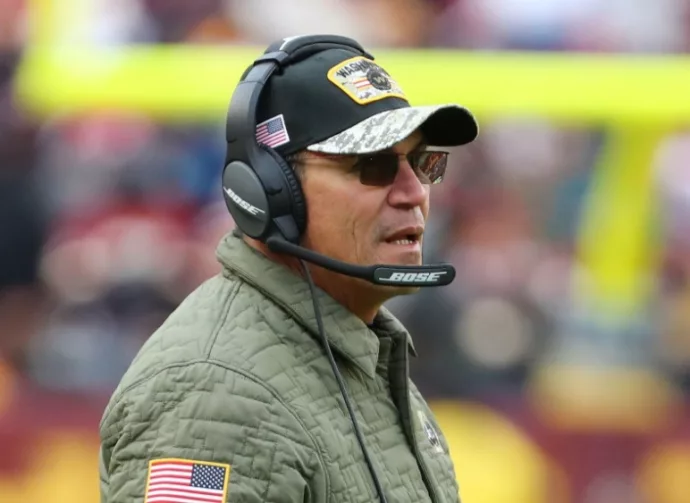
431	166
378	169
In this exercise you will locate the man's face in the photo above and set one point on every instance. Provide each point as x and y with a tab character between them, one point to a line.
365	224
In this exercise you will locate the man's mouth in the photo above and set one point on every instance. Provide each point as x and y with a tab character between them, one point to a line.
406	241
407	236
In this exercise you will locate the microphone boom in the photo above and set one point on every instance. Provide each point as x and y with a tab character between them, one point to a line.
380	274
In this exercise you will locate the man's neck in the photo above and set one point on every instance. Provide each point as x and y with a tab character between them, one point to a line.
354	294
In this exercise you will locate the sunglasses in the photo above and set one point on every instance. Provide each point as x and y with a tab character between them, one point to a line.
381	168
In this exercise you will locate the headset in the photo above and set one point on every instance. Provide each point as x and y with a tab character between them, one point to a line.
262	191
265	199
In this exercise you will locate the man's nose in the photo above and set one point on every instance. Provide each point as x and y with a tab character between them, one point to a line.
407	190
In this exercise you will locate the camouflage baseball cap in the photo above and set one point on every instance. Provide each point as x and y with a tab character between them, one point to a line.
340	102
381	131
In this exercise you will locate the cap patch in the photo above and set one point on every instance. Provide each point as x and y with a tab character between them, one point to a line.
272	132
364	81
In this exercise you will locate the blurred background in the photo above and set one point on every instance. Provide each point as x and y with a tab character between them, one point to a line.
558	362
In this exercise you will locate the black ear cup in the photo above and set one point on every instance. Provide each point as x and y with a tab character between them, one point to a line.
297	200
261	190
246	199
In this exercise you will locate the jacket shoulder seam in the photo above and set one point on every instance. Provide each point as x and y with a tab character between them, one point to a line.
288	409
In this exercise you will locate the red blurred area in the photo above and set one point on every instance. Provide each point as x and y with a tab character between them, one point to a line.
502	452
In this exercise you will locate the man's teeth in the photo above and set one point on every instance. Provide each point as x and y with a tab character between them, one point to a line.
403	242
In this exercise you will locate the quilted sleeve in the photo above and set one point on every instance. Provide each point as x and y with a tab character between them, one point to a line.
223	434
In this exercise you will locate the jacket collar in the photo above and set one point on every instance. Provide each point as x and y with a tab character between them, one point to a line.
346	333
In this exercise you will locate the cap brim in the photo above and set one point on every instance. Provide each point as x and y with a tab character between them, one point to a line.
442	126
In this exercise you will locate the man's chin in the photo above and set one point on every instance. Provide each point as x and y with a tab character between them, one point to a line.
401	258
412	262
407	254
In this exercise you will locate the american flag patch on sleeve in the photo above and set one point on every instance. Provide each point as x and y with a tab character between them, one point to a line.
272	132
186	481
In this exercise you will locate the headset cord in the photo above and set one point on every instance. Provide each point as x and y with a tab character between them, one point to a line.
341	383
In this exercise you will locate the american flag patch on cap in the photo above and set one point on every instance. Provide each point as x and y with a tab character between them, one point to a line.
186	481
272	132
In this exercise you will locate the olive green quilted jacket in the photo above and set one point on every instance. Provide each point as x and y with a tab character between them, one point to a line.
233	399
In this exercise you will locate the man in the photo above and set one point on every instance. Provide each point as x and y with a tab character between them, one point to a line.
234	398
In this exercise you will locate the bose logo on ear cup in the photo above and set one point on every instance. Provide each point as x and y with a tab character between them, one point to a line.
401	277
252	210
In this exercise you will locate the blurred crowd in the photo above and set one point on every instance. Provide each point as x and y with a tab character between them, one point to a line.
108	220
